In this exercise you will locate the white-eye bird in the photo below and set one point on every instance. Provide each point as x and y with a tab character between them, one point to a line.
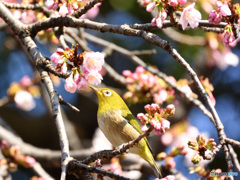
120	126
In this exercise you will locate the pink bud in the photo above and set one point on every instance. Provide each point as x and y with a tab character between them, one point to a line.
63	11
147	108
140	69
173	3
142	116
170	109
219	4
25	81
144	128
77	78
163	15
225	10
182	2
82	84
165	123
150	7
212	14
159	22
126	73
153	22
64	67
28	161
154	108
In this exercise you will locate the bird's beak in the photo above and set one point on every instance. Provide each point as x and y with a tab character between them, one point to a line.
95	89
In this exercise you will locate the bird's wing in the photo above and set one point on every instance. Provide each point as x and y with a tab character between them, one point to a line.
129	117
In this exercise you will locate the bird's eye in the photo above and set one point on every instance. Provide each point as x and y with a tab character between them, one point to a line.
107	93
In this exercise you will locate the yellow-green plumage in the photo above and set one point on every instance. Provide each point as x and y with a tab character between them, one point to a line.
119	125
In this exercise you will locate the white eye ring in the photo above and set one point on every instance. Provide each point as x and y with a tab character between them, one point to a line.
107	93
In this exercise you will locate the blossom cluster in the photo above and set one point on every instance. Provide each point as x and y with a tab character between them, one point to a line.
143	86
23	93
157	117
68	7
222	10
189	15
13	157
84	68
219	55
27	16
201	146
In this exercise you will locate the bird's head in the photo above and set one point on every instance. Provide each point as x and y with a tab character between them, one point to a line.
109	100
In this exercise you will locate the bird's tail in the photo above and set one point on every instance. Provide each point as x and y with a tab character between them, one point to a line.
156	169
149	158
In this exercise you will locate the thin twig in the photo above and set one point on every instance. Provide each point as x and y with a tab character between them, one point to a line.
85	8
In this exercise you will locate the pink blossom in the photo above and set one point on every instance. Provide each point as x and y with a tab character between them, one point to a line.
167	139
225	11
140	69
142	116
64	67
63	11
28	17
215	17
57	57
163	15
212	98
70	85
219	4
159	22
160	97
77	77
93	61
190	16
182	2
26	81
49	4
70	9
94	78
75	6
82	84
28	161
126	73
24	100
228	37
150	7
165	124
144	128
55	6
17	14
153	22
92	13
173	2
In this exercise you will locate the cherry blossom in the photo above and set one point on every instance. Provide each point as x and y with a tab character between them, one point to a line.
24	100
190	16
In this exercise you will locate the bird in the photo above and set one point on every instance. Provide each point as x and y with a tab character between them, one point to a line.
120	126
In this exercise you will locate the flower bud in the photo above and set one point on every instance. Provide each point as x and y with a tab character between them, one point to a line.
211	144
196	159
201	140
193	145
170	109
161	156
170	163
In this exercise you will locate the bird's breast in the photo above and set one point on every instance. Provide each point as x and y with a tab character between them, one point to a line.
116	128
